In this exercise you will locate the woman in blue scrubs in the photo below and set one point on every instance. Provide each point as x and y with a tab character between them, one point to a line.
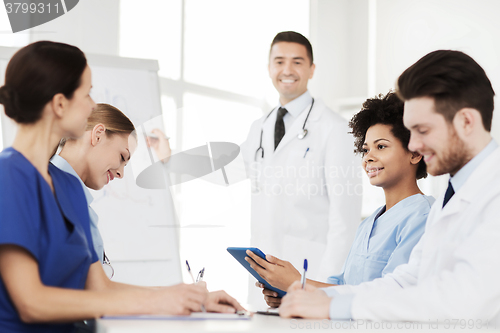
384	240
50	274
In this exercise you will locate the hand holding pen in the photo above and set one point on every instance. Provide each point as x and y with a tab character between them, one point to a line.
159	142
217	301
305	301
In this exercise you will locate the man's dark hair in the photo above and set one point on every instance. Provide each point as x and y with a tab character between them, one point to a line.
385	110
294	37
454	80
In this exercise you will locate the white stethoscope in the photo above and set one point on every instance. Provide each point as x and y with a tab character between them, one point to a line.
302	133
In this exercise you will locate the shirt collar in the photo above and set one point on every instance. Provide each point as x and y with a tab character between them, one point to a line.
298	105
459	179
62	164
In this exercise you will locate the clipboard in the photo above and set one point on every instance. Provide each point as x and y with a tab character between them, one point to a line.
239	253
195	316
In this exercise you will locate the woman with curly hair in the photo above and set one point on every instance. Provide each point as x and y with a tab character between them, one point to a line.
385	239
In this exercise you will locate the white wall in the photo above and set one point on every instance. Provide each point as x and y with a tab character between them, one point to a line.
92	26
339	35
407	30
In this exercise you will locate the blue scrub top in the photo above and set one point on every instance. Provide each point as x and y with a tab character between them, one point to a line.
52	227
385	240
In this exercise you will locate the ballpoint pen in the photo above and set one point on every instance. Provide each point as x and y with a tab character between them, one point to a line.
304	275
198	279
189	270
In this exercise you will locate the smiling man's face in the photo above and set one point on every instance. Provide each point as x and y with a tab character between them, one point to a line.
434	138
290	69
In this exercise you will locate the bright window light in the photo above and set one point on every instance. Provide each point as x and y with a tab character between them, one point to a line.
152	30
229	48
214	217
212	119
169	109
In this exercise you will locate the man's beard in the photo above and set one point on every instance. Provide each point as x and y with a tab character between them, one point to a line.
452	160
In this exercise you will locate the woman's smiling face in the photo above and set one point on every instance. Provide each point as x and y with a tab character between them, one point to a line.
385	160
108	158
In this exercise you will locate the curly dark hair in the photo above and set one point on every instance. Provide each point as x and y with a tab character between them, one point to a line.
385	110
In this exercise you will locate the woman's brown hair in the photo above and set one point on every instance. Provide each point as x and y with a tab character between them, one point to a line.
35	74
115	121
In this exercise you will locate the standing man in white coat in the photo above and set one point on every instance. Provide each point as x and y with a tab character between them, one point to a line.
306	186
454	271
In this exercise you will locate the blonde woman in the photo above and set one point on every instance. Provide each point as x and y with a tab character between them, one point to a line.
98	157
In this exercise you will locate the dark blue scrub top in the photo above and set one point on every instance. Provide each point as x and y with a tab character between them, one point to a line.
53	228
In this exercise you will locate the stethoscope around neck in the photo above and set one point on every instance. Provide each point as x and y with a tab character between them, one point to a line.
301	135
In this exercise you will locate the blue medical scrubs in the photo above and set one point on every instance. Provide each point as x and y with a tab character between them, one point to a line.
52	227
385	240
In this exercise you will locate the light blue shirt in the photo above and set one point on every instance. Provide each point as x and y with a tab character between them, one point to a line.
295	108
340	306
62	164
385	240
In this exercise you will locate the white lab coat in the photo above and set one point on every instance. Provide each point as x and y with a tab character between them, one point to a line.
454	271
293	215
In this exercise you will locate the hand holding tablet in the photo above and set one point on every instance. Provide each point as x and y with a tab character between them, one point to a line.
239	253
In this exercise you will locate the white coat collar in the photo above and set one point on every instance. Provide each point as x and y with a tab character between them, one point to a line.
463	174
473	187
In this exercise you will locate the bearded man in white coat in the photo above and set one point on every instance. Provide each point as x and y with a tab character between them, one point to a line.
453	272
306	185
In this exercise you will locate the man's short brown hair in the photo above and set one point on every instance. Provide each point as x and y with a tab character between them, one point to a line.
454	80
294	37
